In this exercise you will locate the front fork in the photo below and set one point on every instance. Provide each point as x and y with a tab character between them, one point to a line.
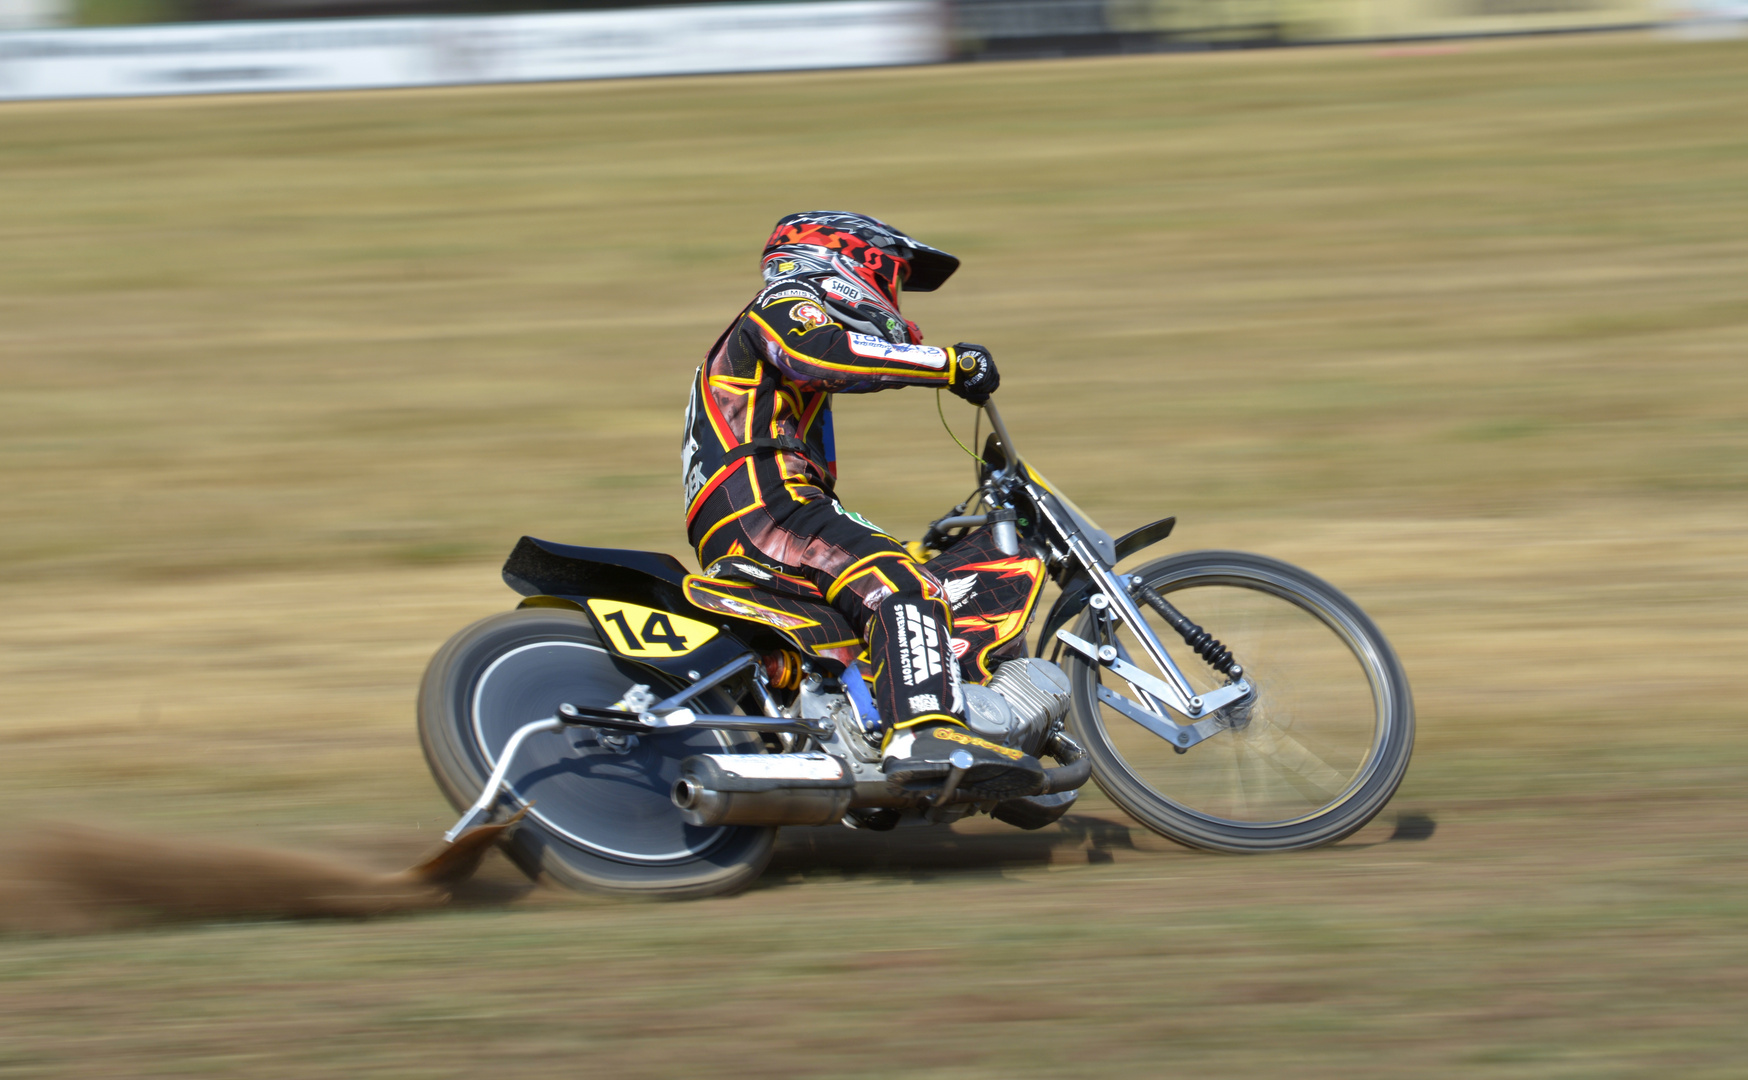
1158	693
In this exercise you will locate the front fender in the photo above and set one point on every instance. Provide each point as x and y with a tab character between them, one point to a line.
1079	588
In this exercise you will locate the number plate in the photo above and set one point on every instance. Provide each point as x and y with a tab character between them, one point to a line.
646	633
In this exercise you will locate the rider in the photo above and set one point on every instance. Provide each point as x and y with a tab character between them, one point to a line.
759	469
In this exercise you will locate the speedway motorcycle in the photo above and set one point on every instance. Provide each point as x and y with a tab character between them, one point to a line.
652	729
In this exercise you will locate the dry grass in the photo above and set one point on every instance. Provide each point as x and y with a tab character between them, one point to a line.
284	378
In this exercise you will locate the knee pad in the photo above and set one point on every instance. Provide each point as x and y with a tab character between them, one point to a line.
871	580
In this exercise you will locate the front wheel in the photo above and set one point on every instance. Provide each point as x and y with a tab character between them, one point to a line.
1319	752
600	813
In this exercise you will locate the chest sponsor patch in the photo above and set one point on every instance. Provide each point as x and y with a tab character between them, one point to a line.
925	356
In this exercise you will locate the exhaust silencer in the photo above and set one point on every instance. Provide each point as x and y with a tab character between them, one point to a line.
763	789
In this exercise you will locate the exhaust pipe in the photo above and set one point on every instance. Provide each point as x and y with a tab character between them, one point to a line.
763	789
1061	787
817	789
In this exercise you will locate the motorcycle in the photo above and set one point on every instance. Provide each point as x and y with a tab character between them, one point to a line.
654	728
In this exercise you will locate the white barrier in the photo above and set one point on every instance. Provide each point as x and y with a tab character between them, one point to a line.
1701	20
30	14
347	54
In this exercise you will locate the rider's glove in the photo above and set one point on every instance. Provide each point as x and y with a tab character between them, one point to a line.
974	374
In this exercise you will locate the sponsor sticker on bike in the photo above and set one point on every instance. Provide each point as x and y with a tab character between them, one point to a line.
646	633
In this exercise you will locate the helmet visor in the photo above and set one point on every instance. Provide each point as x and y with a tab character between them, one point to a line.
928	268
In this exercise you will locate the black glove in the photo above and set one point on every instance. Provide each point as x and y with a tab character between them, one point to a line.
974	375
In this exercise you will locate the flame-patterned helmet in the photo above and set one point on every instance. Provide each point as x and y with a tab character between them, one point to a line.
858	250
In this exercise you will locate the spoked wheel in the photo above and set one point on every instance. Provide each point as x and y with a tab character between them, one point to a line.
1321	750
601	814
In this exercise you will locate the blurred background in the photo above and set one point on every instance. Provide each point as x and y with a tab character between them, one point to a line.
1455	323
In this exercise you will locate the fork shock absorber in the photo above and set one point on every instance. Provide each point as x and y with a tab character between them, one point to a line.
1206	646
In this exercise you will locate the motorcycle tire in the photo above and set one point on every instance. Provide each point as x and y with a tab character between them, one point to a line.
600	813
1318	755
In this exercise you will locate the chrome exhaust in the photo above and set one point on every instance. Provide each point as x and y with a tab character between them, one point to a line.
819	789
763	789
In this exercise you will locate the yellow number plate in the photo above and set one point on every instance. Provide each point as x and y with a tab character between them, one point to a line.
647	633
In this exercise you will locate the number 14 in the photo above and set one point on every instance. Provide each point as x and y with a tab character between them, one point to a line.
657	630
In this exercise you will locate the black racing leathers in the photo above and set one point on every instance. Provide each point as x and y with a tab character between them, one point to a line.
760	465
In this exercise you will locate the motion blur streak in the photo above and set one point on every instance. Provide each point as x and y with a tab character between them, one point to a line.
1463	332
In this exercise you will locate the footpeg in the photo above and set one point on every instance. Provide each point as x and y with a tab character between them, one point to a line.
960	762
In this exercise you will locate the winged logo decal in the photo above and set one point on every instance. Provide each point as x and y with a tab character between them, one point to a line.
959	589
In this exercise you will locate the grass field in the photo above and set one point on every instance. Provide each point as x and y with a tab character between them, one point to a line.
285	377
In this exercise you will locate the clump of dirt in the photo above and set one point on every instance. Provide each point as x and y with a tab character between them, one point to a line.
69	879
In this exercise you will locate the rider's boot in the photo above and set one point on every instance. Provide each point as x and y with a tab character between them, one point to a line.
920	754
917	683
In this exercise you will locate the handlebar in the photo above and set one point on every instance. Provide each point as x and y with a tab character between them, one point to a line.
1001	432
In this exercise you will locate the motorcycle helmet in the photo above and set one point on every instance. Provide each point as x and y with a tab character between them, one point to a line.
860	263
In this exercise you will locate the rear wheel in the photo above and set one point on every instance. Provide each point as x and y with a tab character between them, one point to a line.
1318	754
601	816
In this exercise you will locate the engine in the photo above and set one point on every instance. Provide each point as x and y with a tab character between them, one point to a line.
1019	703
1018	707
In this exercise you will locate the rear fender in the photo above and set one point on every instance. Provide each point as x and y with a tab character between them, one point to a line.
543	568
639	584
